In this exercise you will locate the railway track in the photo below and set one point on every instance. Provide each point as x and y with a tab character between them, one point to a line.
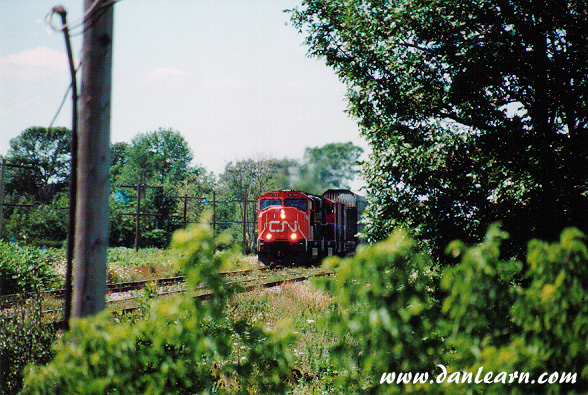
113	288
122	297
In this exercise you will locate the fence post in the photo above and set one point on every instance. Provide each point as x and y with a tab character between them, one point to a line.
185	210
245	248
213	213
138	217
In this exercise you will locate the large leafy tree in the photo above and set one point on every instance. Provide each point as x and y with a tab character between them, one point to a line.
161	160
333	165
157	157
476	110
45	153
285	173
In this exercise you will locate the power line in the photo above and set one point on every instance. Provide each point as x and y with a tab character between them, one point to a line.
93	15
71	25
64	99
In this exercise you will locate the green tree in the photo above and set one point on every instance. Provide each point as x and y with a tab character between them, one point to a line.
46	153
118	160
475	110
41	180
198	187
333	165
244	181
159	157
285	174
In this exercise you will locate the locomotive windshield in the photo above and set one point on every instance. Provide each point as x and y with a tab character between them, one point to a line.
265	203
300	204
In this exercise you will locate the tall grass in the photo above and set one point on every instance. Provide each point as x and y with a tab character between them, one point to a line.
303	306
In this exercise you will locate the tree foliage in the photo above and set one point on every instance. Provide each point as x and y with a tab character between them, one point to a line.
160	159
333	165
399	315
156	157
36	182
243	182
475	110
46	153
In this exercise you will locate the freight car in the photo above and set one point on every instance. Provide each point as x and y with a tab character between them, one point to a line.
300	228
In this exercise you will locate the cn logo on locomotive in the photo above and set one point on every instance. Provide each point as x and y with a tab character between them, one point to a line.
276	228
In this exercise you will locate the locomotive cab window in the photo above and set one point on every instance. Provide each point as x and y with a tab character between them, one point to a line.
300	204
265	203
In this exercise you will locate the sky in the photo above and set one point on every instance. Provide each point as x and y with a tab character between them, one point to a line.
232	76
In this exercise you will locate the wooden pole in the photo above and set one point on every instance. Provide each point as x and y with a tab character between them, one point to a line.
91	245
71	221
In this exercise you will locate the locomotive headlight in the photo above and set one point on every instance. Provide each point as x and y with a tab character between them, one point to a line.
268	236
283	214
293	236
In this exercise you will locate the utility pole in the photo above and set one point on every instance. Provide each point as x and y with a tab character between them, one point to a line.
91	244
73	178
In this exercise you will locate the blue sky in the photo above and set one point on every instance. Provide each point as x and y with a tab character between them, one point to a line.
230	75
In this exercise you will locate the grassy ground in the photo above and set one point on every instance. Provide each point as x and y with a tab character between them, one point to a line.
304	306
126	264
298	302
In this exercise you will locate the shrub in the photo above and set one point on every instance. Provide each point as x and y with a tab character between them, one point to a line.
394	314
387	316
24	269
24	339
491	313
184	346
43	225
548	320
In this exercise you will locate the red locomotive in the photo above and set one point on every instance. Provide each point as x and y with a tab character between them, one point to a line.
299	228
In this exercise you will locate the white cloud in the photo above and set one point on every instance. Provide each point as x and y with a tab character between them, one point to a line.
34	65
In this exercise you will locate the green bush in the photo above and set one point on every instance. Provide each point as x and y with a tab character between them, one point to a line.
394	313
491	313
185	345
548	320
481	290
43	225
24	269
387	316
24	339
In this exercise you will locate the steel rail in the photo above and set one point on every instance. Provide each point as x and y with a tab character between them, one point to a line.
205	294
7	300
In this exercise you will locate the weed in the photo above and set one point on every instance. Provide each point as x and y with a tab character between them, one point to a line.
304	307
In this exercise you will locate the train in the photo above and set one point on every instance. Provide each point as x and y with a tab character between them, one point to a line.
300	229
